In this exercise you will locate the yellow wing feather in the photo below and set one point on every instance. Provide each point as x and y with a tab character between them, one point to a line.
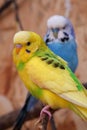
55	80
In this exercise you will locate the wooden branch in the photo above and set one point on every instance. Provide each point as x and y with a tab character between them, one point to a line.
44	122
9	119
53	124
17	15
5	5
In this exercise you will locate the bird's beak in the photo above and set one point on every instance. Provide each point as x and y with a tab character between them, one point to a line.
18	48
55	34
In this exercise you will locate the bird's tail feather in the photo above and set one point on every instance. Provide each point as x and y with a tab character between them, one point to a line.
20	120
82	112
29	104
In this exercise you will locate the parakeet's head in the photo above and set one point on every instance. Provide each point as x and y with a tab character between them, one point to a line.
59	28
25	44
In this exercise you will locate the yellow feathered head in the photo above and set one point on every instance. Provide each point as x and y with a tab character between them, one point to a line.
25	44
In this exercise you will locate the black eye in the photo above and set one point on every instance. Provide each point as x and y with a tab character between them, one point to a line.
28	43
64	27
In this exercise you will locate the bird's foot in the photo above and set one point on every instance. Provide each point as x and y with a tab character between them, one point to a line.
46	111
43	114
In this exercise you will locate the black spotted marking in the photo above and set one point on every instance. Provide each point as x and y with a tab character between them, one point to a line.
62	67
28	51
56	64
47	40
66	38
47	58
47	54
63	39
44	58
66	34
49	61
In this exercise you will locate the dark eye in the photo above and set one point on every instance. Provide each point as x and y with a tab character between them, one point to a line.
64	27
28	43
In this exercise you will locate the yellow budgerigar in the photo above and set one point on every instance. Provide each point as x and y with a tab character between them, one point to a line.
46	75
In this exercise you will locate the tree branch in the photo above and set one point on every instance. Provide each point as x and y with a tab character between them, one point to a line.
5	5
9	119
17	15
44	122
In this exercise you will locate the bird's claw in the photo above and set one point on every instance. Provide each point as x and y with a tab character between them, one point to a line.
45	111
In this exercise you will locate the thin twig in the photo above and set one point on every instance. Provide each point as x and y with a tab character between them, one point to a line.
7	121
44	121
17	15
5	5
52	124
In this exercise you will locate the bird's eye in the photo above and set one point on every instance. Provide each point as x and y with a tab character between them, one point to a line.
28	43
64	27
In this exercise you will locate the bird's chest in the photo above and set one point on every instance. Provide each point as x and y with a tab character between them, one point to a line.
63	50
29	84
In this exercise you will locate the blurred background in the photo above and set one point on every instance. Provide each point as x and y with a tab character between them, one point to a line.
33	15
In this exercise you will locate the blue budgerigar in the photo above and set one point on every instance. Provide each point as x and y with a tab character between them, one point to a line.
60	38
